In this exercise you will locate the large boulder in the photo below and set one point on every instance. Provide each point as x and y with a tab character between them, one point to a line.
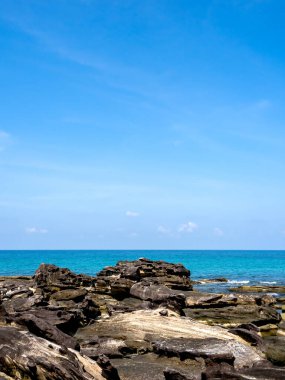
65	321
158	294
49	275
175	276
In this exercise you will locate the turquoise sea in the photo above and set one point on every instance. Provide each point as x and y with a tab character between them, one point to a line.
239	267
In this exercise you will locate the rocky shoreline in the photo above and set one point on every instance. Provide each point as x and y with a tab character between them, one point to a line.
137	320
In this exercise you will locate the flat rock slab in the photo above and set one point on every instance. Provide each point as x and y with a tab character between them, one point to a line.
265	373
210	348
152	367
75	295
259	289
149	326
232	316
112	348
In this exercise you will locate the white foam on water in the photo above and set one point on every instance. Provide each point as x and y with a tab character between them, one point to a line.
238	281
268	282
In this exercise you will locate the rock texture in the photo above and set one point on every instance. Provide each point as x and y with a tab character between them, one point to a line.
259	289
137	320
148	330
24	356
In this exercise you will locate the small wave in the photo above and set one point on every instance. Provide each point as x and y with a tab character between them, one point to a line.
268	282
273	294
238	281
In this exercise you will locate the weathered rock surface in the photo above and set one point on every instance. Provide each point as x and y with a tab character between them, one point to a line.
143	328
158	294
232	316
275	350
112	279
24	356
259	289
75	295
44	329
210	300
151	366
172	374
231	310
261	371
48	275
248	335
209	348
139	320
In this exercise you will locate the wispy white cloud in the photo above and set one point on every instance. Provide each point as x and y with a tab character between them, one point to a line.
111	72
163	230
36	230
188	227
218	231
132	214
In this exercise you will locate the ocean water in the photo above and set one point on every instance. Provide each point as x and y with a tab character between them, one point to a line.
239	267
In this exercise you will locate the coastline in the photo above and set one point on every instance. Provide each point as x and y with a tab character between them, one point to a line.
248	267
142	319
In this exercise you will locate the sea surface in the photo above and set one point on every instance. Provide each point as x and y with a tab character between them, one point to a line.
239	267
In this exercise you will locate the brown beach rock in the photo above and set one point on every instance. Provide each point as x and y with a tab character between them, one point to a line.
175	276
232	316
140	320
149	327
26	357
259	289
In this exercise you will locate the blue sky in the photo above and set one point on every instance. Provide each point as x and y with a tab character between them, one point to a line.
142	124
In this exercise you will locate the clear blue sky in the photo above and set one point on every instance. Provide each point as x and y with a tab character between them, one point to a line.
142	124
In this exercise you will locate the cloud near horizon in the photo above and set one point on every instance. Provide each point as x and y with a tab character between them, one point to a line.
218	231
163	230
132	214
35	230
188	227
